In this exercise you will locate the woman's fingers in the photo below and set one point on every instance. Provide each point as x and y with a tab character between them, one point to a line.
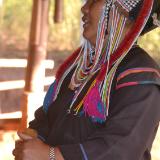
18	151
24	136
14	152
18	143
33	149
18	154
19	157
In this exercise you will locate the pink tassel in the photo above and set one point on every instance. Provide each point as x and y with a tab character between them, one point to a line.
93	105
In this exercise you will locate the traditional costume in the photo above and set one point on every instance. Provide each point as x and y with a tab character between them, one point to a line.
113	111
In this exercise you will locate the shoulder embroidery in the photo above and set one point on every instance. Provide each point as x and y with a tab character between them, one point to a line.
137	71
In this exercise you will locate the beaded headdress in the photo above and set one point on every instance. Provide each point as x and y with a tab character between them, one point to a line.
153	19
102	59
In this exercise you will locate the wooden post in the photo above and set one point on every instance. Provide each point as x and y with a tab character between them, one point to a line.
35	72
58	15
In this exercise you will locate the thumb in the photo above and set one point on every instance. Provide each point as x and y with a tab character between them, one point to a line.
24	136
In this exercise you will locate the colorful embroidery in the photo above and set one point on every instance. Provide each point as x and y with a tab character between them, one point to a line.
127	84
136	71
93	105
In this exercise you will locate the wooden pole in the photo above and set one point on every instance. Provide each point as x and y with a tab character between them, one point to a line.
58	15
35	72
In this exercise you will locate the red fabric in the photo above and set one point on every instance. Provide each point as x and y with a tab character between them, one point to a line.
67	63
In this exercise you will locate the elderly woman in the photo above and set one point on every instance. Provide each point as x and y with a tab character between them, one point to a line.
104	103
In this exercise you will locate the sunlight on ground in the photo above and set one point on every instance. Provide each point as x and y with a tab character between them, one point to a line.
7	144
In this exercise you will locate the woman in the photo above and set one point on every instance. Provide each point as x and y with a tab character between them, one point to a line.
104	103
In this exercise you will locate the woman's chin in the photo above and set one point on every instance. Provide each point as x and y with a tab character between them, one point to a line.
85	37
88	37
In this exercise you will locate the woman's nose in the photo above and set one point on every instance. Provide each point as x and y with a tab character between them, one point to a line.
85	8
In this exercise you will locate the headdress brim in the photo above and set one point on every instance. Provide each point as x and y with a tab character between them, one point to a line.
150	25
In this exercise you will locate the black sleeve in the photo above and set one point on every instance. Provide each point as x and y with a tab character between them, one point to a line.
40	123
133	116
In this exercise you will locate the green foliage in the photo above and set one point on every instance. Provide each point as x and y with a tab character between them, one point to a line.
16	17
66	33
15	23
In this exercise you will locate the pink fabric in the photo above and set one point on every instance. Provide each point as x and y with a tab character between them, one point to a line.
93	105
126	84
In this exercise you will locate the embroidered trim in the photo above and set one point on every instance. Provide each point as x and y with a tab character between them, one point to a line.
136	70
83	151
41	138
127	84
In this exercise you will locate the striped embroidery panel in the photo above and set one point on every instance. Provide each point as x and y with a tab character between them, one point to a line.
136	71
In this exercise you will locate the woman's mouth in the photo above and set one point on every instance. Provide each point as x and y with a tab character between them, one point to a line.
85	25
85	22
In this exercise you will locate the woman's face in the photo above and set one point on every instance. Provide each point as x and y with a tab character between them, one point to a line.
91	10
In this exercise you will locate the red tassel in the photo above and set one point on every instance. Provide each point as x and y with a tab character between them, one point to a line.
102	73
67	63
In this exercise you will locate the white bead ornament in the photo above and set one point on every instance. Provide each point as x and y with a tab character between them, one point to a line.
128	5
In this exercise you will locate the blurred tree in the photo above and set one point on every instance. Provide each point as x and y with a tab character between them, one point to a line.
16	17
66	33
151	43
16	21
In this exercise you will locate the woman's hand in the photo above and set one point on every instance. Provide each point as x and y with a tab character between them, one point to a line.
29	148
